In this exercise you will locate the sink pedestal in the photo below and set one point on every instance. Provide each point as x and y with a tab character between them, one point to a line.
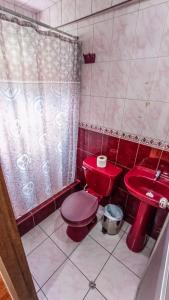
136	238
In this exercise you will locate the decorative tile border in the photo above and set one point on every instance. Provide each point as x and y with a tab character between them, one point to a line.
152	142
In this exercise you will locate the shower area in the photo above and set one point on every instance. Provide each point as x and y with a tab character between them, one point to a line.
39	105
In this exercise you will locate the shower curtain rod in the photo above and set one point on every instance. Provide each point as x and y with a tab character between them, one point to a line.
14	13
97	13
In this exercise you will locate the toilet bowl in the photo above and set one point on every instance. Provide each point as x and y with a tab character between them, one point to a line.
79	209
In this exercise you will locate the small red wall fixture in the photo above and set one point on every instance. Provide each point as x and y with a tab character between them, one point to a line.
89	58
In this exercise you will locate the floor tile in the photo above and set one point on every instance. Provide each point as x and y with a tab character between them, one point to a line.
100	212
62	240
125	226
117	282
151	243
32	239
41	295
52	223
135	261
128	228
89	257
109	242
44	261
68	283
94	295
37	288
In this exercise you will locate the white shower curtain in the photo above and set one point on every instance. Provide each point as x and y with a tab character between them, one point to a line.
39	105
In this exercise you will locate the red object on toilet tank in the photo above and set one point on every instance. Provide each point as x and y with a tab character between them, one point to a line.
100	180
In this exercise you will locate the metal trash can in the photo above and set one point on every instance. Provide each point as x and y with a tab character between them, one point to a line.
112	219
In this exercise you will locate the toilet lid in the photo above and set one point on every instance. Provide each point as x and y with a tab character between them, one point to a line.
79	207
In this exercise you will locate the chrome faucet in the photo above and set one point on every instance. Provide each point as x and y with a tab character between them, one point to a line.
157	175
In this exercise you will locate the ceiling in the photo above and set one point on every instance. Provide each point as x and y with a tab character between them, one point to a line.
35	5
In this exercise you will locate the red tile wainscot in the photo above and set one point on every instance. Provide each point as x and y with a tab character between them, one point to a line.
126	154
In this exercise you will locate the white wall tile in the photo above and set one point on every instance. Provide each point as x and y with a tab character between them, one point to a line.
123	36
114	113
83	8
118	79
55	14
102	40
68	11
149	31
84	109
134	116
86	79
141	76
157	120
97	111
100	4
99	79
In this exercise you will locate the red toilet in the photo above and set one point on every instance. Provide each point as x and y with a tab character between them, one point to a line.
79	209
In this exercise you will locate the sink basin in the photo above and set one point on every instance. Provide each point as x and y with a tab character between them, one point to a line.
141	184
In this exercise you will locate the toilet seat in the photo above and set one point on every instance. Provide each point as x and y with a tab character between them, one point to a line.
79	208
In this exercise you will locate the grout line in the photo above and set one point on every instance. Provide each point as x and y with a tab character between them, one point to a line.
125	266
86	293
49	236
79	269
110	252
43	293
106	261
54	273
36	246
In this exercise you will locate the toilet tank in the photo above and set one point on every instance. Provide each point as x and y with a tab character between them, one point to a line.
100	180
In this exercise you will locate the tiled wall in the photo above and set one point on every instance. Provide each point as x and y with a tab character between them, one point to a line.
124	107
125	154
16	6
127	88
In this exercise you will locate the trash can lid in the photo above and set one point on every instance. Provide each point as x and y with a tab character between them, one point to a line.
113	212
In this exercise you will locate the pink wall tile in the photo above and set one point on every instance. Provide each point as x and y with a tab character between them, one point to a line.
83	8
99	79
118	79
97	111
102	40
123	36
141	78
114	113
134	116
149	30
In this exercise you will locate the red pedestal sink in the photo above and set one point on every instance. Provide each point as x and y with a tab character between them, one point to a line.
141	184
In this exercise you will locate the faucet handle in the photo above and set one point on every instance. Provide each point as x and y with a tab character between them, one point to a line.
164	203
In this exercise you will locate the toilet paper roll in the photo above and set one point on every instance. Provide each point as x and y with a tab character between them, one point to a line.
101	161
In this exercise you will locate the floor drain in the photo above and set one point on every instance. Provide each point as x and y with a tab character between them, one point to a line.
92	284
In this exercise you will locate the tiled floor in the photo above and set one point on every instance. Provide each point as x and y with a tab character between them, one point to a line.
62	269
